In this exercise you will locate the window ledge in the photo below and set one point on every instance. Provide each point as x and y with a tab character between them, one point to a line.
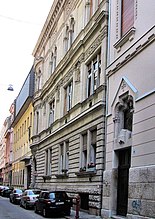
46	177
127	37
88	173
61	175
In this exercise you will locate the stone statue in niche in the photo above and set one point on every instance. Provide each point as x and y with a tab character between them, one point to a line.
124	119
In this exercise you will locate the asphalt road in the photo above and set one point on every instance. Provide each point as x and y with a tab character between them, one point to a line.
12	211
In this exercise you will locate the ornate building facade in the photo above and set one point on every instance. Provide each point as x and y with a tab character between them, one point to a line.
129	176
69	101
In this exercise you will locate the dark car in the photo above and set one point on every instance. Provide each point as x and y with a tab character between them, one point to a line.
2	189
28	198
15	196
6	192
50	202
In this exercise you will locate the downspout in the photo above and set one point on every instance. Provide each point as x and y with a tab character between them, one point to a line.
105	111
107	82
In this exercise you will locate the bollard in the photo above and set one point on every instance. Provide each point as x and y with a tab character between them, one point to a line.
77	206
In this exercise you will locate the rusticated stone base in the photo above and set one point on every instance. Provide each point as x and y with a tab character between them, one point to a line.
141	198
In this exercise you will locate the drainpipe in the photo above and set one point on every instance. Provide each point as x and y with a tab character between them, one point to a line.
107	61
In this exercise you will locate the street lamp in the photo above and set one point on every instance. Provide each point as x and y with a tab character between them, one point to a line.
10	87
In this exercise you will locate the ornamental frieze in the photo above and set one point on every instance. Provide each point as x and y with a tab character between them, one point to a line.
68	7
94	46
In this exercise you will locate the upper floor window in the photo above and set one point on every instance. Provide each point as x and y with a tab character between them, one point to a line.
93	78
68	97
51	112
38	80
71	31
127	18
53	61
66	39
37	122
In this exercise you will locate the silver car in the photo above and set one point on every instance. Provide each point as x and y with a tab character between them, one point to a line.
28	198
15	196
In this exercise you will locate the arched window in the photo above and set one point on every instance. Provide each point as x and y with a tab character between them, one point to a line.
71	31
66	39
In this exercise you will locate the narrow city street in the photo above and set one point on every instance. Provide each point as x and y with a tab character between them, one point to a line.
12	211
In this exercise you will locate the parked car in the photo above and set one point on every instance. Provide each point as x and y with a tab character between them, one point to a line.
15	196
28	198
50	202
6	192
2	189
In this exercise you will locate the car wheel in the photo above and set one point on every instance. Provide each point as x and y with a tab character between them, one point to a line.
45	212
20	204
35	209
26	207
68	212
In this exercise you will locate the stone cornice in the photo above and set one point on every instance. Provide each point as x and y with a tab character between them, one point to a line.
71	122
50	21
131	55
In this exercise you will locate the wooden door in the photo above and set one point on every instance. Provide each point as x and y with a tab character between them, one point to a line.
123	179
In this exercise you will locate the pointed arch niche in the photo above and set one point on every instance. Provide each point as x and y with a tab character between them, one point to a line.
123	109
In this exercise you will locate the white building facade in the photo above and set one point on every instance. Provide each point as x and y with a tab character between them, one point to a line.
69	101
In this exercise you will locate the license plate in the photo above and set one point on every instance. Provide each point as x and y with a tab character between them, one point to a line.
59	203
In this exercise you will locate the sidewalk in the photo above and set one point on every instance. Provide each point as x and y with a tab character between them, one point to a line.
82	215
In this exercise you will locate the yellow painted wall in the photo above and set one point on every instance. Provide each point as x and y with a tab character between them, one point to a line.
21	144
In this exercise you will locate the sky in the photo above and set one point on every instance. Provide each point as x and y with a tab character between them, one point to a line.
21	22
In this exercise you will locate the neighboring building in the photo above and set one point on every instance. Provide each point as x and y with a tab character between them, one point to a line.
129	177
69	101
22	129
8	135
2	151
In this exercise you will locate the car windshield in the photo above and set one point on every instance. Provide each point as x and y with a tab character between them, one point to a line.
57	195
30	193
18	191
36	192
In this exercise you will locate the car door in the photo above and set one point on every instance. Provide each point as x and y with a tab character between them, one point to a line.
39	201
23	198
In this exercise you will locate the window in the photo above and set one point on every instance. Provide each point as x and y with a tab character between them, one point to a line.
48	161
127	19
84	151
38	80
94	71
93	149
88	147
64	157
66	39
37	122
52	112
68	97
52	63
71	31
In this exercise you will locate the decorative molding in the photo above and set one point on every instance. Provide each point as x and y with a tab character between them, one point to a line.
129	36
62	176
68	8
130	56
94	46
86	173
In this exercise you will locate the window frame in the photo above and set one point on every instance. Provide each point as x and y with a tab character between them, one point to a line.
93	74
68	97
51	112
